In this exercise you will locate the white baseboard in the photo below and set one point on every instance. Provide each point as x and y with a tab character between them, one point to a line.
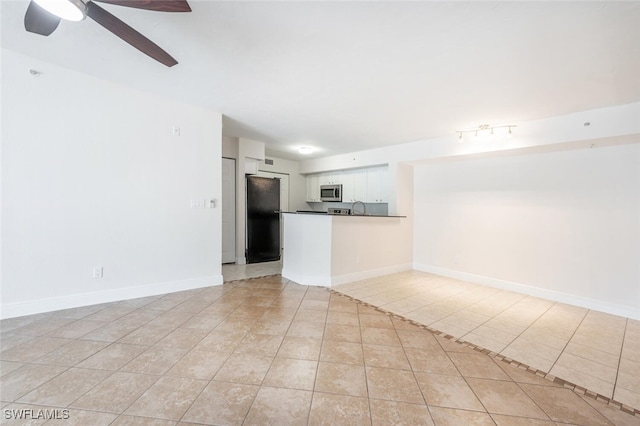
328	281
313	280
556	296
370	273
241	260
85	299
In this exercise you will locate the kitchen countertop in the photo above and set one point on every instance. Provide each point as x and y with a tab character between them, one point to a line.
309	212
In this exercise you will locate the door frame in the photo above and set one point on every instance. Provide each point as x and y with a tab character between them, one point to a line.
235	206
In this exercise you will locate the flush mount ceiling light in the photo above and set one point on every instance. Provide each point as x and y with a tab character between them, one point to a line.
305	150
485	129
71	10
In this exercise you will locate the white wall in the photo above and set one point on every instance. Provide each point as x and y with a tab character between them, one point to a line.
562	225
229	147
92	176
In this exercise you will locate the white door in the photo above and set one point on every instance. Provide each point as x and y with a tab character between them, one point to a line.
228	210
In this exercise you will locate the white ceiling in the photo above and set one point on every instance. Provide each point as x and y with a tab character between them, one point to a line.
347	76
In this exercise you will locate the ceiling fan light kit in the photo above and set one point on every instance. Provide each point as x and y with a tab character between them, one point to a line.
43	16
70	10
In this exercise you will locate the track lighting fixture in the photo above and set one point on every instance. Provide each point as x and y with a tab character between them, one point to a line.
485	129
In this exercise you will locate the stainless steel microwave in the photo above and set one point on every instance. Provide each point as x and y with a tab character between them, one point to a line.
331	193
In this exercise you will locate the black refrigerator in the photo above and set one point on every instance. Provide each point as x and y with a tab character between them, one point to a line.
263	219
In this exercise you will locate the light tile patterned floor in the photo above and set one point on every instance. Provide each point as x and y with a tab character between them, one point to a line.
233	272
594	350
268	351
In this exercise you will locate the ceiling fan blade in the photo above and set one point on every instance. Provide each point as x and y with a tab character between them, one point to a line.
128	34
39	21
158	5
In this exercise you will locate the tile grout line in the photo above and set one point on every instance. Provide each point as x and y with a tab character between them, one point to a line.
160	377
315	380
424	398
547	376
592	360
188	351
624	335
262	381
471	304
183	356
570	338
530	325
364	364
313	390
454	365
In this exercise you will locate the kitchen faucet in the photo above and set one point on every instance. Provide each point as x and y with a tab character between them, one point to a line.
353	209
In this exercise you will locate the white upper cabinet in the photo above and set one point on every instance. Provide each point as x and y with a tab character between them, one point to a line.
347	187
313	188
378	184
332	178
360	185
354	185
369	185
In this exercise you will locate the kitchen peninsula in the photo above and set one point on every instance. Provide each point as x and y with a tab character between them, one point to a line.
326	250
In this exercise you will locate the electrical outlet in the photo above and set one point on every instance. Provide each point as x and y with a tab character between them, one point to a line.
98	272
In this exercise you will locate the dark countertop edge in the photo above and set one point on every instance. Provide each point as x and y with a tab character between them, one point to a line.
341	215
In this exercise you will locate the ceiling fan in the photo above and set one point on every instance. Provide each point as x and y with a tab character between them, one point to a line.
43	17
